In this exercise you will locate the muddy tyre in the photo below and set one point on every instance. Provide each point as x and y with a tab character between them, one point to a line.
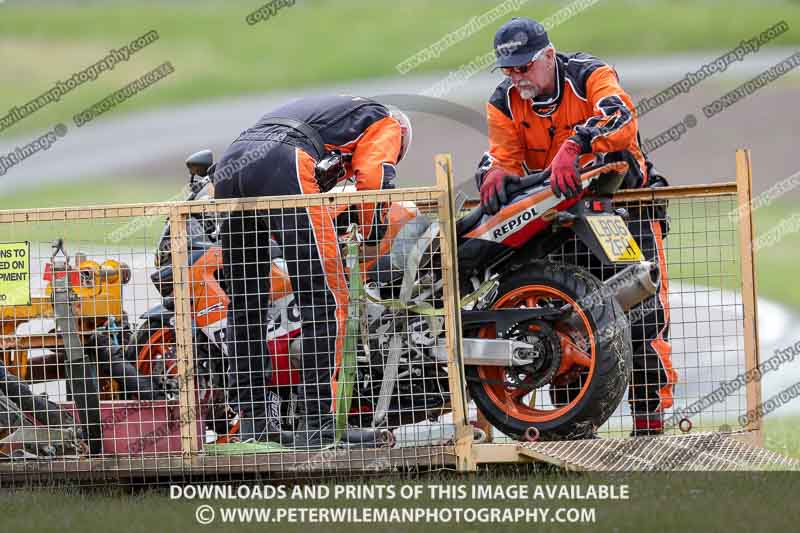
594	359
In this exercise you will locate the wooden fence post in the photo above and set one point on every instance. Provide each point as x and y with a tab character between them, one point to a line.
744	183
449	250
183	333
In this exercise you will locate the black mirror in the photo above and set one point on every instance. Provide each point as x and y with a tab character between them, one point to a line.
199	163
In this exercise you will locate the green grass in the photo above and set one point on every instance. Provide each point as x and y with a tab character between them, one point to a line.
703	245
93	192
216	53
703	248
782	435
88	193
776	266
656	502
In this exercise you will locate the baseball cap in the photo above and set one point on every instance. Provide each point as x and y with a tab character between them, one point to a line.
518	41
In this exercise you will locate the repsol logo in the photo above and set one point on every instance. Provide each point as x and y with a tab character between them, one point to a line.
514	224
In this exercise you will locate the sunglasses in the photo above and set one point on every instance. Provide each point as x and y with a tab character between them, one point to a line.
524	68
516	70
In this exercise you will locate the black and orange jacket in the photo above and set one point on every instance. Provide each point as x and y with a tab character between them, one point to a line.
590	107
353	125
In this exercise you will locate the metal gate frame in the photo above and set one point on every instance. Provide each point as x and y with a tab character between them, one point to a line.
742	188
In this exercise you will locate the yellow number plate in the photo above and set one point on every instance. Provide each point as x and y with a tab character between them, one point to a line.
614	237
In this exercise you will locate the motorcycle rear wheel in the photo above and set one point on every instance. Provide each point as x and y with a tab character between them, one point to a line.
595	360
153	350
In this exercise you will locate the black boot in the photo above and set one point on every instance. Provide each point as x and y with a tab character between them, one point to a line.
252	430
319	431
264	425
274	432
316	431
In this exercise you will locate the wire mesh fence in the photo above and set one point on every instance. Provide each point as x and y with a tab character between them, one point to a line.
687	338
316	335
291	336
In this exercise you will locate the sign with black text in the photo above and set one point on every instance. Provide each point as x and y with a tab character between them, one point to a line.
15	282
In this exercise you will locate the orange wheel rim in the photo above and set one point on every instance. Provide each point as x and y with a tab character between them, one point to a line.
157	346
511	399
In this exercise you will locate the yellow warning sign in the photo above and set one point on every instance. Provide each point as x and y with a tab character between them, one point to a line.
15	273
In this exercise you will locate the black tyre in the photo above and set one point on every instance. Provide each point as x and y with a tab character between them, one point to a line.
587	373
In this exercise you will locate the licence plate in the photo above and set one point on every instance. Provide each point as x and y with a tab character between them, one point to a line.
615	238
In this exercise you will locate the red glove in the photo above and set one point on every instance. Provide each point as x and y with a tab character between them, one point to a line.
564	175
493	188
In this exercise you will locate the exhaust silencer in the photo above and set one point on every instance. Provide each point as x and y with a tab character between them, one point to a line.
634	284
630	287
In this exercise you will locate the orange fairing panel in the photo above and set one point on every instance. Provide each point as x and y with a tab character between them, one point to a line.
280	283
209	301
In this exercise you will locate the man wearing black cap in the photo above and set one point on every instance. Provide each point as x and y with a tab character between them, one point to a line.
562	111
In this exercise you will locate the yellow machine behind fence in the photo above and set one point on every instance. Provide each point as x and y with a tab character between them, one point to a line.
98	291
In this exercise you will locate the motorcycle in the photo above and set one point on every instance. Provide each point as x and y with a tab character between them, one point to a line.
527	323
546	325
